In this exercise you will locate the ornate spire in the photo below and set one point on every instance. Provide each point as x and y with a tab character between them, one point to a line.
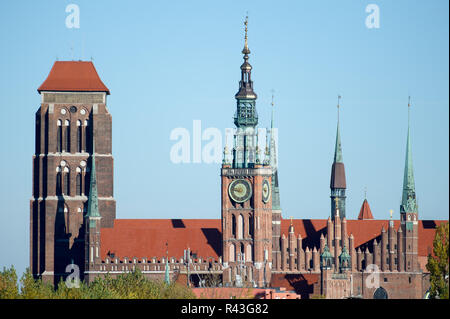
338	147
246	84
409	203
246	50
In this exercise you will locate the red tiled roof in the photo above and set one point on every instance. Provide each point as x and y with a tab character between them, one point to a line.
147	237
73	76
365	212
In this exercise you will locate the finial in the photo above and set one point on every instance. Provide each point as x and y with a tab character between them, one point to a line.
291	219
246	50
365	192
390	213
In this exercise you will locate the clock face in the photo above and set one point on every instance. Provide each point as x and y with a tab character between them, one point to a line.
266	191
240	190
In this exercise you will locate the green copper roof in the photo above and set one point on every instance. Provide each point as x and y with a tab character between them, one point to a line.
326	252
409	190
92	210
338	148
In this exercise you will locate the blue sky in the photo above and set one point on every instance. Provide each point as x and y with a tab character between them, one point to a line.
168	63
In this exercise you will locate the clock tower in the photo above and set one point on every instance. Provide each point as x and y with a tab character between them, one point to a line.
246	195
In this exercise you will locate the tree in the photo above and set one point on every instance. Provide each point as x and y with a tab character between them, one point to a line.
34	288
438	263
8	283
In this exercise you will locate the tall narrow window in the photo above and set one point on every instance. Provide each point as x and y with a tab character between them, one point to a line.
233	225
232	251
79	136
58	183
86	136
78	184
67	136
250	225
240	227
66	188
59	136
86	183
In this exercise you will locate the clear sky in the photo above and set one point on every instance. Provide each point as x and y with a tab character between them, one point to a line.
168	63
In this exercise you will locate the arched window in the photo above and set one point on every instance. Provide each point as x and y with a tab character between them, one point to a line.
240	227
233	225
58	183
232	251
86	183
67	136
250	225
79	137
248	253
66	181
59	136
86	136
78	184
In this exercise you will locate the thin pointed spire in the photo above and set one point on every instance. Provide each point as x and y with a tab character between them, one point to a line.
338	148
409	203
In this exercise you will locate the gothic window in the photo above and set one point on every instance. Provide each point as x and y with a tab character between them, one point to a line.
67	136
240	227
86	183
86	136
67	183
250	225
233	225
58	183
59	136
232	251
249	253
79	136
78	182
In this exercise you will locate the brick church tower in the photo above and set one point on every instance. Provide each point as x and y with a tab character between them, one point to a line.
246	195
73	104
